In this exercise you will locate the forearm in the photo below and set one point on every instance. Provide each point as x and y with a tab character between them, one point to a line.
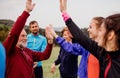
57	61
72	48
82	39
74	29
11	41
46	54
20	23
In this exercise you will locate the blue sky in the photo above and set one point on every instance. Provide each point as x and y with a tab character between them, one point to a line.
47	11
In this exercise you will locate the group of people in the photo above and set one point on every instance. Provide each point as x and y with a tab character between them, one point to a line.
21	55
100	51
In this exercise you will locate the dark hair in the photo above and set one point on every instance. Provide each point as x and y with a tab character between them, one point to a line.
99	21
112	23
32	22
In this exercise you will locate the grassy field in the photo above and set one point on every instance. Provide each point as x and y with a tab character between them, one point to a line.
47	64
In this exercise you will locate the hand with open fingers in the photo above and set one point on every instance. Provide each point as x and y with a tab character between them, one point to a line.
48	35
52	31
63	5
29	5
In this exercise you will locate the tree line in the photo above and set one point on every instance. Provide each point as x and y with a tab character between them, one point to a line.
6	25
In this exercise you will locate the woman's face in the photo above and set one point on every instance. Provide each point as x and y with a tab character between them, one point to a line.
66	35
101	36
93	30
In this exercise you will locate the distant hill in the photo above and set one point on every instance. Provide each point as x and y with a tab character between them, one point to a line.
5	26
6	22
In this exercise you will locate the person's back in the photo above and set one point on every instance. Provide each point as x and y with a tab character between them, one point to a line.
93	67
68	65
2	61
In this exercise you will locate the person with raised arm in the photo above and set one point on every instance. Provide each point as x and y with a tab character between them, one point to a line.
68	62
19	59
107	47
89	65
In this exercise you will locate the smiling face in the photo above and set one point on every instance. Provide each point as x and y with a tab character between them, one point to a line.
67	36
22	41
94	27
109	33
93	30
34	28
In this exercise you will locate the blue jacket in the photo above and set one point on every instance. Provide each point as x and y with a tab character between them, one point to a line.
36	43
68	64
2	61
76	49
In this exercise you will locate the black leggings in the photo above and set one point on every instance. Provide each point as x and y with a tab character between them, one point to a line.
38	72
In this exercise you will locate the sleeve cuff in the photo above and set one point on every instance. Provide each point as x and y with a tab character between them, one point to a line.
65	16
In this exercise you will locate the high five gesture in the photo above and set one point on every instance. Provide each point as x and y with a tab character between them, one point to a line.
29	5
63	5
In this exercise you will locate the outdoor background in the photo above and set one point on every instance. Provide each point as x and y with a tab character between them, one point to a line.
47	64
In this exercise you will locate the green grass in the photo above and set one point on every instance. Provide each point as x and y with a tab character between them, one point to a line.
47	65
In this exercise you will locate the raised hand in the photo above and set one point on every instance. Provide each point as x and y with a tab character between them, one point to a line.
48	35
52	31
29	5
63	5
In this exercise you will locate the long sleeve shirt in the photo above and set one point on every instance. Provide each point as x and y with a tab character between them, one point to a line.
68	63
76	49
107	60
19	62
36	43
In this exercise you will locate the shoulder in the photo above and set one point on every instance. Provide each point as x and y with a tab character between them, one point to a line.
41	36
29	35
2	50
1	47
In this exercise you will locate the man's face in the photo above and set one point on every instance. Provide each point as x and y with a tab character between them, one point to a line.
22	41
34	28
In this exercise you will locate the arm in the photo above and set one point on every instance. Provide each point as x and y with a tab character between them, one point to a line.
46	54
58	60
39	56
73	48
83	40
11	41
